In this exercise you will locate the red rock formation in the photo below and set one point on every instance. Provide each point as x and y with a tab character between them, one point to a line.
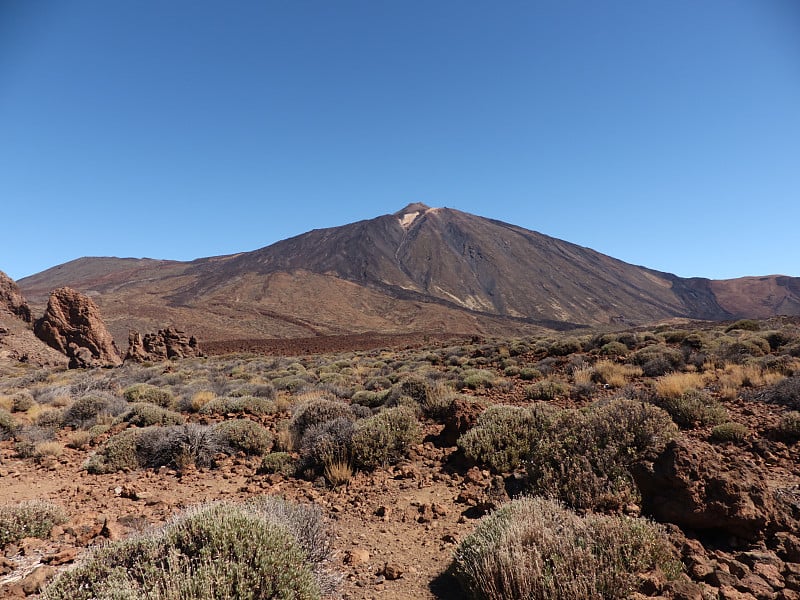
12	299
691	485
167	344
72	325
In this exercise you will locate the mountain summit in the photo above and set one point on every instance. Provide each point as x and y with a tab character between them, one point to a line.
419	269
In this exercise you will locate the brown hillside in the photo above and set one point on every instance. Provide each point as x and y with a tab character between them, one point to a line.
419	270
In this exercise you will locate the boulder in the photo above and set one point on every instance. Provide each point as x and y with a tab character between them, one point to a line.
693	486
12	299
72	325
166	344
461	416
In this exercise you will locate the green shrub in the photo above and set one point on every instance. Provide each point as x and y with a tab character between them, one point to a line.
369	398
22	401
785	392
478	378
144	392
789	426
414	387
83	413
533	548
117	454
585	456
263	559
384	438
327	443
7	425
614	349
34	518
694	408
548	389
144	414
529	373
316	412
504	435
729	432
565	347
657	360
281	463
243	435
177	446
51	418
744	324
252	405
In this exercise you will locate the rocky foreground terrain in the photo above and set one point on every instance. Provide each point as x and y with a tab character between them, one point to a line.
692	425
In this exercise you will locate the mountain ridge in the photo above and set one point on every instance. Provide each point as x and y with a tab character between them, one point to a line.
420	268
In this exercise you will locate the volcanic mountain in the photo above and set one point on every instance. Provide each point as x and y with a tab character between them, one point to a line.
421	269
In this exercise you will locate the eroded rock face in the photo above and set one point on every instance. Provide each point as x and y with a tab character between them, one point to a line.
693	486
166	344
12	299
72	325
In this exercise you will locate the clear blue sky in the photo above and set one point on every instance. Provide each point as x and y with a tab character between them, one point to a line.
664	133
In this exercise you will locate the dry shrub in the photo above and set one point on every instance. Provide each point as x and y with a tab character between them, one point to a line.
615	375
536	549
438	399
200	399
583	375
79	440
338	472
676	385
45	450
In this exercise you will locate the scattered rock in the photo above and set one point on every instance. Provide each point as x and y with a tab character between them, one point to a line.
166	344
72	325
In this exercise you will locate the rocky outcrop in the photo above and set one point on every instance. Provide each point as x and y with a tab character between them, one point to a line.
12	299
695	487
72	325
166	344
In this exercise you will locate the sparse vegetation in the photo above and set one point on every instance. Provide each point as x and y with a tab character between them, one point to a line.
580	428
34	518
384	438
534	548
264	549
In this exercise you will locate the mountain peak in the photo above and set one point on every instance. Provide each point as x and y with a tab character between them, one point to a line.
414	207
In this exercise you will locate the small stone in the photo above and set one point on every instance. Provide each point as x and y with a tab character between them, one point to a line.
62	557
357	556
37	579
392	572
